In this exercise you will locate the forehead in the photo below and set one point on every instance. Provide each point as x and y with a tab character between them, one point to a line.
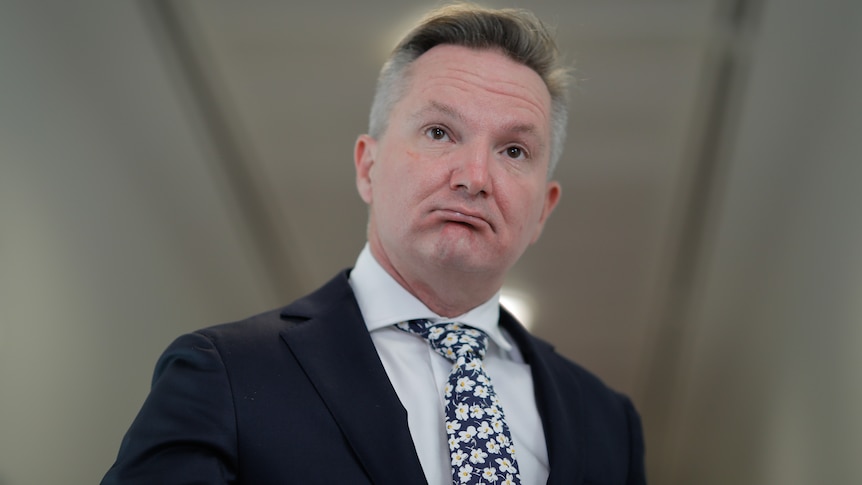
480	75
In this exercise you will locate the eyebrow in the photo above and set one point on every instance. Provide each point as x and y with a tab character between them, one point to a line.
437	107
450	111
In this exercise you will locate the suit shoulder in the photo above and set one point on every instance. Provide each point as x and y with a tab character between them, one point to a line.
335	292
588	384
247	332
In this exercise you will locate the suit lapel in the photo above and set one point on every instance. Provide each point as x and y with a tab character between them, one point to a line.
333	346
559	408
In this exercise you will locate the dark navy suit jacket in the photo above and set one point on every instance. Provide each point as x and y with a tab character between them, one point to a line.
299	396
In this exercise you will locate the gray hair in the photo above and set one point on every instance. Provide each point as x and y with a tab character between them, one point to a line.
518	33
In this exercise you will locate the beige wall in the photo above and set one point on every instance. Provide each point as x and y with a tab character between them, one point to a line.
115	235
771	382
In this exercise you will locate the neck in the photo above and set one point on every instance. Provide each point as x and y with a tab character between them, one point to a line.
446	292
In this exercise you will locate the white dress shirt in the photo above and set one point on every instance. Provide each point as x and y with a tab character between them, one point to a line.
418	373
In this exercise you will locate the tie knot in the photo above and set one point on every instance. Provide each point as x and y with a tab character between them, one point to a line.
449	339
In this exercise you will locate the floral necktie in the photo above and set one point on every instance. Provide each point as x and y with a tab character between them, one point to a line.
480	443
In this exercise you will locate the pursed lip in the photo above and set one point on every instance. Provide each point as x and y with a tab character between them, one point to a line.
470	218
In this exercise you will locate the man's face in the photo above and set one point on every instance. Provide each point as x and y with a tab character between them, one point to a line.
458	181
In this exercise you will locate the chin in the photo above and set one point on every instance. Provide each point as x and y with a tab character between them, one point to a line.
465	260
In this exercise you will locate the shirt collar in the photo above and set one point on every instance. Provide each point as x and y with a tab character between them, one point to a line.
383	302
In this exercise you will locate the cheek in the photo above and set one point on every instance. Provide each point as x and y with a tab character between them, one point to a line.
523	209
418	177
392	194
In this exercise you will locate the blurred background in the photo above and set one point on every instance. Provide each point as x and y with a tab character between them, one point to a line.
169	165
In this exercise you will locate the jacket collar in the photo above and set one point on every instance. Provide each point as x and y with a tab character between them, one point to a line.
559	408
331	343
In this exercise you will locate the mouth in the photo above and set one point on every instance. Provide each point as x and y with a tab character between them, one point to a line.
469	219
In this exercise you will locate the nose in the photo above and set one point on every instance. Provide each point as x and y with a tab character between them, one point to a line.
470	172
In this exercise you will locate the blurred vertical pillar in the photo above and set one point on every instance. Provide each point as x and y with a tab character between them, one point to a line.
118	231
768	382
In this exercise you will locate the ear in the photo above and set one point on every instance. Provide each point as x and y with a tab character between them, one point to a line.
364	154
552	196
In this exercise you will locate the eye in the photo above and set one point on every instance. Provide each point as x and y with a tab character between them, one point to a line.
437	133
515	152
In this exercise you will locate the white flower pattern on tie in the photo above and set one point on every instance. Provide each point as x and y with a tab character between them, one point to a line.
475	424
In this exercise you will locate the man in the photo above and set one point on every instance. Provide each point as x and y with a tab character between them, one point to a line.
406	370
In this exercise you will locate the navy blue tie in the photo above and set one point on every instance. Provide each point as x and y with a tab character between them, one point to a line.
480	444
